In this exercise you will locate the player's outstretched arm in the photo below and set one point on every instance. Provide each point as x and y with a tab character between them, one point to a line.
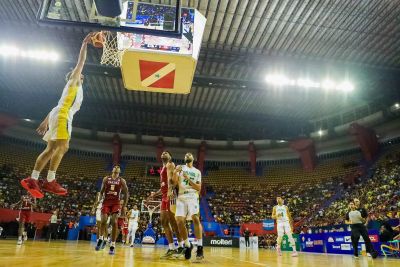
175	176
16	204
76	72
100	195
274	213
125	191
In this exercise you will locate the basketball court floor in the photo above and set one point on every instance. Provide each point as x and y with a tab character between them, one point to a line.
82	254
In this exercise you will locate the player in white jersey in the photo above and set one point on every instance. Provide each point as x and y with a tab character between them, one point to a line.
283	219
133	217
188	180
96	210
56	129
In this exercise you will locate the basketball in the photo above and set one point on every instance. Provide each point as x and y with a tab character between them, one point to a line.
98	40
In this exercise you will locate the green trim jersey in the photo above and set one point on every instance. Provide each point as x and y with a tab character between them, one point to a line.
282	210
185	189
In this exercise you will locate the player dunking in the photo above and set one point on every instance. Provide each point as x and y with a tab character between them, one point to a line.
26	205
168	221
111	192
283	219
133	217
56	128
188	178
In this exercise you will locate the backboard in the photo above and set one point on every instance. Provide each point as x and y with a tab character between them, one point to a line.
138	16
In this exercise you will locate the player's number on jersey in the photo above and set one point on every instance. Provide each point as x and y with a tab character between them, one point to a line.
112	187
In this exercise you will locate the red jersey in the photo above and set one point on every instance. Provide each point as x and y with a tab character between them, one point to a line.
164	182
112	190
26	203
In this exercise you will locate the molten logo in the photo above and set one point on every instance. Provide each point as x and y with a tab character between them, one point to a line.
221	242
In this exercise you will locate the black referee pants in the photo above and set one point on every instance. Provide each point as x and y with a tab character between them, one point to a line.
358	230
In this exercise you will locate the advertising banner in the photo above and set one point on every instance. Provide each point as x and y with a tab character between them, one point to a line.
227	242
268	225
312	243
340	243
286	246
253	240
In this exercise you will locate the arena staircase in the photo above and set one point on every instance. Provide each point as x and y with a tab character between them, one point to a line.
205	210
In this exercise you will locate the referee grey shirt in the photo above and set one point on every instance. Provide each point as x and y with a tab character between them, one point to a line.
354	217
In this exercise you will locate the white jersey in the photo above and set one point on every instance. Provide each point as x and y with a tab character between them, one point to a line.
282	210
70	101
185	189
134	215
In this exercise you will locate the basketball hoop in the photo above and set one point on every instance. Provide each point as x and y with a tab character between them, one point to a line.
150	207
111	54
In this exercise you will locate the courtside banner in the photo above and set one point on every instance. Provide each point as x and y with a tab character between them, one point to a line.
340	242
312	243
268	225
225	242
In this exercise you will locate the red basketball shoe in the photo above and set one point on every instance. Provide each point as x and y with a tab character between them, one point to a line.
32	186
54	187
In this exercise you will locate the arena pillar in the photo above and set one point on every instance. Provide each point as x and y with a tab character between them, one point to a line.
117	149
252	157
201	156
367	140
160	148
306	150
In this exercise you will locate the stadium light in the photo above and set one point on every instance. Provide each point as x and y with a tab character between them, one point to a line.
279	80
327	84
13	51
345	86
397	105
320	132
28	120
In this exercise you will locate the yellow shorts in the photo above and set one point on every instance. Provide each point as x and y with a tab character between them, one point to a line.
60	128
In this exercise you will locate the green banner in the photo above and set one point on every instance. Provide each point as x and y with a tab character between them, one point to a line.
286	244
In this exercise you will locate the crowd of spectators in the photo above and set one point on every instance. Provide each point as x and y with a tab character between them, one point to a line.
234	204
80	199
380	195
231	204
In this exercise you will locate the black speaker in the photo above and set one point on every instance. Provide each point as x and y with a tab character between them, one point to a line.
109	8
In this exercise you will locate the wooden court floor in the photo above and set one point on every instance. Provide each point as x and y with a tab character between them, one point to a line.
82	254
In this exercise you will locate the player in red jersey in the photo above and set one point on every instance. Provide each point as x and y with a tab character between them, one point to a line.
111	193
167	216
26	205
123	223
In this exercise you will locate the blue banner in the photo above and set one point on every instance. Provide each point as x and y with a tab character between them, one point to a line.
312	243
340	242
268	225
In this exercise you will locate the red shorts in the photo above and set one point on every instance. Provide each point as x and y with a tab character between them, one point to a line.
120	222
165	204
25	216
125	231
110	208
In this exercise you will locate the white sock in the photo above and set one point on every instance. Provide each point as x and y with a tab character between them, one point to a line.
199	242
51	176
187	244
101	237
20	238
181	243
112	244
35	174
171	246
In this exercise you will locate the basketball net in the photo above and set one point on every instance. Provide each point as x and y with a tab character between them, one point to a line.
111	55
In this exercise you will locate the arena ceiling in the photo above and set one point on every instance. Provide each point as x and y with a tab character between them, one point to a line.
244	40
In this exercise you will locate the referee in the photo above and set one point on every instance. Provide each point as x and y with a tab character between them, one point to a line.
356	219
